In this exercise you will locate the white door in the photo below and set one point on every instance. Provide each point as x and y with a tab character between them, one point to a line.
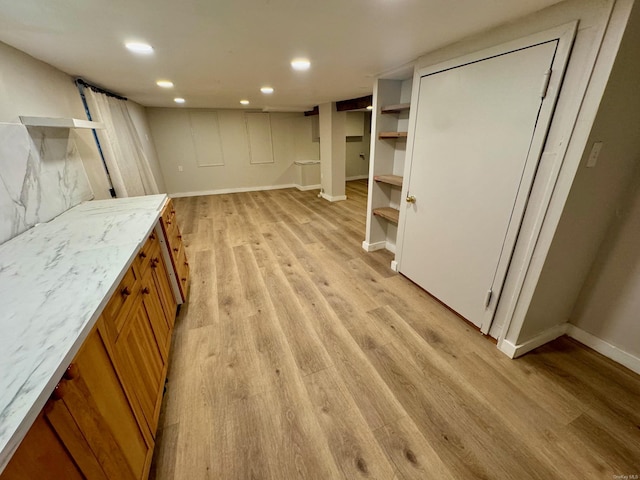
474	130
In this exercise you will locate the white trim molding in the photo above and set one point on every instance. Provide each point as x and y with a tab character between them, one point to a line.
304	188
605	348
230	190
357	177
336	198
513	351
372	247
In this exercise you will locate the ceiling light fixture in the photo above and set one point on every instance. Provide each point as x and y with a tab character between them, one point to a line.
164	83
267	90
137	47
300	64
179	100
244	102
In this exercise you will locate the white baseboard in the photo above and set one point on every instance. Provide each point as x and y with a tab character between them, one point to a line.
513	351
336	198
372	247
232	190
357	177
390	246
304	188
605	348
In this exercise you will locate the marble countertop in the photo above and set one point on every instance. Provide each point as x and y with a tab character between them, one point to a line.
55	279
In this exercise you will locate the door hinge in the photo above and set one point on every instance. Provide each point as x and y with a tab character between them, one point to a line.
545	83
487	299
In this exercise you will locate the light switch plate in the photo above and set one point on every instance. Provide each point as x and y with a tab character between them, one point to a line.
595	153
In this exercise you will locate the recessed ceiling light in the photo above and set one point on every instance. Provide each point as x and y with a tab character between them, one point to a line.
179	100
370	107
300	64
137	47
267	90
164	83
244	102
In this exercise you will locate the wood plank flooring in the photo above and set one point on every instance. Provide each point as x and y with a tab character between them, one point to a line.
300	356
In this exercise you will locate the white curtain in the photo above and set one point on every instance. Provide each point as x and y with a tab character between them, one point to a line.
121	146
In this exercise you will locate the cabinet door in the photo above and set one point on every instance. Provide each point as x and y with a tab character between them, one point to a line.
41	455
157	318
163	286
94	398
141	362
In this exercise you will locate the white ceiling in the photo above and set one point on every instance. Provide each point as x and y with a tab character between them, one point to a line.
219	51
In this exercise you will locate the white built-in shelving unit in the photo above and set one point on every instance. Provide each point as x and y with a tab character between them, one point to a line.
389	126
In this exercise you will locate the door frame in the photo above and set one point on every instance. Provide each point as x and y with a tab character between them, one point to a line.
565	35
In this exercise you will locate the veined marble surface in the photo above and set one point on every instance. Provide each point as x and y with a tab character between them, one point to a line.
55	279
41	176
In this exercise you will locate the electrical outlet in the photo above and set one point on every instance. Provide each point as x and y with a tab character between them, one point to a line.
180	169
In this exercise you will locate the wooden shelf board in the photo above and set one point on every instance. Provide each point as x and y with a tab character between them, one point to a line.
60	122
382	135
388	213
390	179
400	107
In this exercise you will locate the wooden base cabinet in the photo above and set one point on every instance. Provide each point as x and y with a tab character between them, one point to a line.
101	420
87	429
175	246
42	455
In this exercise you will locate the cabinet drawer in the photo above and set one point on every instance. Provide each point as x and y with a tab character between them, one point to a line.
167	218
115	313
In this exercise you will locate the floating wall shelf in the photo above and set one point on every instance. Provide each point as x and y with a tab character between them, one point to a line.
388	213
390	179
401	107
382	135
60	122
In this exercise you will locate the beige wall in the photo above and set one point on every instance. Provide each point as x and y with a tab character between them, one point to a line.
357	167
29	87
609	304
596	194
171	131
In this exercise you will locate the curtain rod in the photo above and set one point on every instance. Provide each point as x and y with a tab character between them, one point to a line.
80	82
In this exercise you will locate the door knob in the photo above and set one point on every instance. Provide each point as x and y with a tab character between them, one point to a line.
411	199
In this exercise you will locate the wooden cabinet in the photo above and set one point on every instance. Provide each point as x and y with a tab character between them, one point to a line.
88	428
101	420
175	247
42	455
91	398
141	362
390	124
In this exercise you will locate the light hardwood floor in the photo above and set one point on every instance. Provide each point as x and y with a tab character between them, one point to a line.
300	356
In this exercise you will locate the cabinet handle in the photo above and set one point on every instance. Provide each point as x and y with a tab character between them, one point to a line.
154	262
58	392
175	249
146	291
152	236
125	292
71	372
183	279
180	237
168	222
142	255
173	212
186	264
